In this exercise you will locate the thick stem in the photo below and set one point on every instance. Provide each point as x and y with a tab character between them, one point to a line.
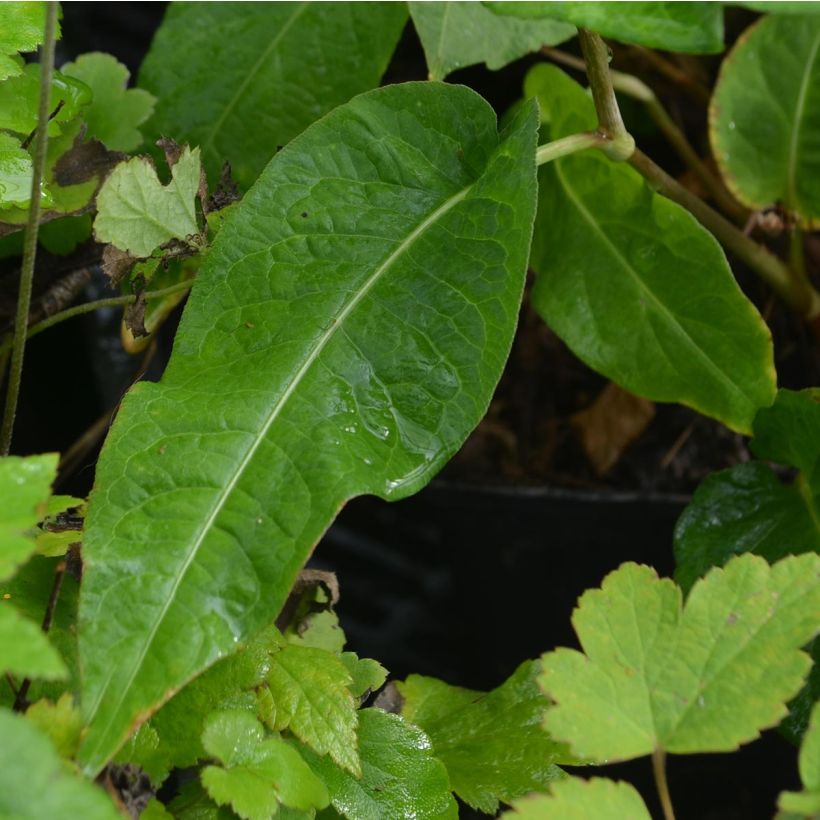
805	301
568	145
32	225
659	769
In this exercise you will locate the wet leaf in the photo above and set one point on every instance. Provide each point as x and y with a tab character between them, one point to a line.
364	293
241	79
704	677
492	743
457	35
764	117
610	255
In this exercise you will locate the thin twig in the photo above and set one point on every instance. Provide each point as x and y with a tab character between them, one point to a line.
676	75
32	226
659	770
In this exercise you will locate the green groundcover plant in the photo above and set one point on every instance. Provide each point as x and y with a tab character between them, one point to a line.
354	258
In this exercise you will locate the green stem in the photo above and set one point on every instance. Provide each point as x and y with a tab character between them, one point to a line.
88	307
32	225
805	301
659	769
568	145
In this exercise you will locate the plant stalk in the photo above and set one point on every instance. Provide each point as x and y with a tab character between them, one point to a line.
32	226
568	145
659	770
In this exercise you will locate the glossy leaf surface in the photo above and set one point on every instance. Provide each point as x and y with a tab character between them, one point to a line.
241	79
22	26
492	743
15	173
345	334
765	115
807	802
693	27
634	285
400	775
457	35
115	111
706	677
577	799
33	783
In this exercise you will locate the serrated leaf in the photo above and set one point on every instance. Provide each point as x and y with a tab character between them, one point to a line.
457	35
577	799
807	802
24	648
492	743
25	486
61	722
310	691
400	775
364	293
764	117
15	173
611	254
692	27
115	111
706	677
258	773
22	26
33	783
137	213
240	80
366	675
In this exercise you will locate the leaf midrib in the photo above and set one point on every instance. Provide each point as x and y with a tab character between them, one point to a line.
314	353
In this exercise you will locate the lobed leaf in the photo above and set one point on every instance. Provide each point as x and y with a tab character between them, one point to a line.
345	334
366	675
241	79
457	35
60	721
764	117
575	799
22	26
692	27
24	648
706	677
492	743
634	285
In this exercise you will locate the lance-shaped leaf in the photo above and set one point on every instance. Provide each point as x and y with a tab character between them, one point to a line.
492	743
241	79
765	115
634	285
706	677
577	799
345	334
693	27
457	35
807	802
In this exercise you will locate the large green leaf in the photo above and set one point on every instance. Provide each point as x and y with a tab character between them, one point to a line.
492	743
345	334
765	115
33	783
457	35
240	79
400	775
22	26
693	27
634	285
706	677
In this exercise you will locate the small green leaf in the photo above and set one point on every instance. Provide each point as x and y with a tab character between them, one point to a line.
62	236
137	213
366	675
60	721
115	113
22	26
611	255
154	810
807	802
400	776
692	27
194	803
492	743
765	115
310	691
24	648
577	799
15	173
258	774
706	677
33	783
25	487
457	35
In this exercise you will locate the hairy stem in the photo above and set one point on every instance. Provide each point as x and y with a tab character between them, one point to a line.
659	769
32	225
568	145
88	307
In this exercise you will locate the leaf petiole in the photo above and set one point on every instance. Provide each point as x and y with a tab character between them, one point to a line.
568	145
659	770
